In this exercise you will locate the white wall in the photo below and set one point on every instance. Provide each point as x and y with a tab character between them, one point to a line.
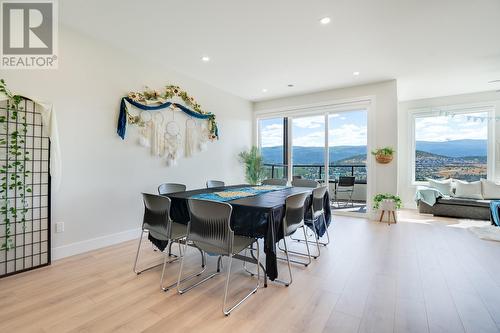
385	112
103	176
405	188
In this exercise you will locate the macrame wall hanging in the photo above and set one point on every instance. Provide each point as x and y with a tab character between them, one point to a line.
160	130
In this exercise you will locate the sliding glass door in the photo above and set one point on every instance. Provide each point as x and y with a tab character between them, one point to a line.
347	143
308	147
329	147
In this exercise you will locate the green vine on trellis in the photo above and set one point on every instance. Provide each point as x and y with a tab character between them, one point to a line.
13	171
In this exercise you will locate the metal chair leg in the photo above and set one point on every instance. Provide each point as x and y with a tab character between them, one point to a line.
286	283
137	257
165	262
228	311
180	279
300	253
316	240
317	236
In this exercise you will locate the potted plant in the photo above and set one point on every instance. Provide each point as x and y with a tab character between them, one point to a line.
254	166
383	155
387	201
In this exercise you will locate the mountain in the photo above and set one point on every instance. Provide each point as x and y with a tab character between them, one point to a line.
312	155
454	148
465	149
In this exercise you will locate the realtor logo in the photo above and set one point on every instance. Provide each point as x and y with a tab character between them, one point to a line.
29	34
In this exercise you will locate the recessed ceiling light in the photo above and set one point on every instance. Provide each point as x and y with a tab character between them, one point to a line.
355	73
290	85
325	20
205	59
264	90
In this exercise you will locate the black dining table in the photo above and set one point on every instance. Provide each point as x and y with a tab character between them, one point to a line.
258	216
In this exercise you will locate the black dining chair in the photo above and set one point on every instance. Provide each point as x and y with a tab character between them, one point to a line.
345	186
304	183
317	213
157	223
293	220
167	188
210	230
215	183
275	181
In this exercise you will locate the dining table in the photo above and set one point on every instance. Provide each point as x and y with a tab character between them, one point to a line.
258	216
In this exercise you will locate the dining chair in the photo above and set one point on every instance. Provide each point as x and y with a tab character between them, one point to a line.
210	230
157	223
167	188
304	183
214	183
275	181
293	220
345	185
317	212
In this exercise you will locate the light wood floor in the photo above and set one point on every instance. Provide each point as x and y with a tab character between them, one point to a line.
420	275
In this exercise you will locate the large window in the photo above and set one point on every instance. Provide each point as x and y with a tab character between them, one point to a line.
451	145
347	139
308	147
273	146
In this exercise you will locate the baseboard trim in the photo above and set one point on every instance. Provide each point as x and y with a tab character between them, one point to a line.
94	243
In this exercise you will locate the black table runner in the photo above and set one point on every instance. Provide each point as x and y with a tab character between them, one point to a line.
259	216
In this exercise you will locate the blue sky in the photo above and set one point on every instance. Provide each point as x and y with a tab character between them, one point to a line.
345	129
350	129
445	128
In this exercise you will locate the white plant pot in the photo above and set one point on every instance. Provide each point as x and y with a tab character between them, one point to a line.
388	204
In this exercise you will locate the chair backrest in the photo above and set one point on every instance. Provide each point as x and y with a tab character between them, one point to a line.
317	199
214	183
157	216
274	181
167	188
294	212
210	228
346	181
305	183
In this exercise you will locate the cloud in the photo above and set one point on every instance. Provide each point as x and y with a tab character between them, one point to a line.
348	135
444	128
309	122
272	135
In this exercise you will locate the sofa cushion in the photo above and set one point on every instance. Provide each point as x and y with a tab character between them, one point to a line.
443	186
490	189
463	202
468	190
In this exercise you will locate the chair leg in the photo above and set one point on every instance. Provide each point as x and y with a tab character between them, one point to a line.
228	311
180	279
316	240
137	257
165	262
308	255
287	283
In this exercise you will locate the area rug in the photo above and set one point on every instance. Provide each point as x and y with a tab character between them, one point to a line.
489	232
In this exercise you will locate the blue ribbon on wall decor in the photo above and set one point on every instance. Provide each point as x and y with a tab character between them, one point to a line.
122	118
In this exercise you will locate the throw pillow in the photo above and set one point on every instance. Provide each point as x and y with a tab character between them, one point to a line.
468	190
443	186
490	189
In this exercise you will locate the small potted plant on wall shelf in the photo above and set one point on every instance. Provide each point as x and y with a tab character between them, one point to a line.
384	155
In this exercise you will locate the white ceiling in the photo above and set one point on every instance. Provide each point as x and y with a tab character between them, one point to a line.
432	47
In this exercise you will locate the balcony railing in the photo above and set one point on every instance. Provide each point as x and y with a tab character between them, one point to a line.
316	171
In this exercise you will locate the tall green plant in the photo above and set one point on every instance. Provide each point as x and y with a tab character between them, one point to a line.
254	166
13	171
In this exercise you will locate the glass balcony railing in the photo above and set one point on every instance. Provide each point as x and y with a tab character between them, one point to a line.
315	171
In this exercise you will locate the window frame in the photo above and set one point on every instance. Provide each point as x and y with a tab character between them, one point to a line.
453	110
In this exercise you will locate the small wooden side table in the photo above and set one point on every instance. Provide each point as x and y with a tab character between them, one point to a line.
388	206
